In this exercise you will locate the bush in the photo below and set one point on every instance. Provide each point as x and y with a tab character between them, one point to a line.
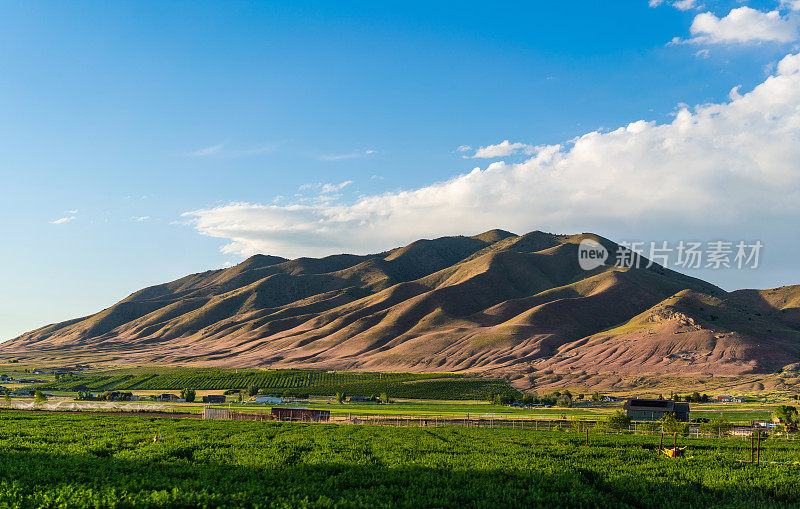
252	390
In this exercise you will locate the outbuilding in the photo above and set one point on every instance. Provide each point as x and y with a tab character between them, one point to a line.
655	409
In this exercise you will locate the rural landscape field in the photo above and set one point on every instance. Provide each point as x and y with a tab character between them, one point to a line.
400	254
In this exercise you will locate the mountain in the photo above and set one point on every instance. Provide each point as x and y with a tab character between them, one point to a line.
494	301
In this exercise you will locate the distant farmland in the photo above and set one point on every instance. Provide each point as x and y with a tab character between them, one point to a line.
443	386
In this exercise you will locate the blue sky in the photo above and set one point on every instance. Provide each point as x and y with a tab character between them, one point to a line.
268	120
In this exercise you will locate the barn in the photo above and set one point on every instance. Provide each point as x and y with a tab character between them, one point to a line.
655	409
299	414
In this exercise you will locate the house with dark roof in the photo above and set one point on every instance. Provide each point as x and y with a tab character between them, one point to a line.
655	409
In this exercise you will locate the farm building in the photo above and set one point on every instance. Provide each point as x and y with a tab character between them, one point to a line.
272	400
655	409
299	414
729	399
214	398
172	398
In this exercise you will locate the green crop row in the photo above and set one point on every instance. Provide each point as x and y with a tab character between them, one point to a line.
64	460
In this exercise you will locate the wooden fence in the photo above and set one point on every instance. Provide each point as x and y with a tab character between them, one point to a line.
574	425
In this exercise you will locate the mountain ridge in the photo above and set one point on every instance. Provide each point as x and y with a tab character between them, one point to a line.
492	301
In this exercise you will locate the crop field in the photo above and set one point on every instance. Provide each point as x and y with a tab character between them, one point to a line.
444	386
91	461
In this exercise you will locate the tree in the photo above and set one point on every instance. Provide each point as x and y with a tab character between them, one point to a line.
188	395
39	397
597	397
384	398
340	397
786	414
527	400
673	425
252	390
717	426
618	420
8	398
564	401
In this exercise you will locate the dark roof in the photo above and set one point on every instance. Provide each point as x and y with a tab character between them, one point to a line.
655	405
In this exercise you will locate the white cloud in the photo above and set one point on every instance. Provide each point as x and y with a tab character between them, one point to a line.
655	3
685	5
325	188
464	148
734	164
744	25
342	157
793	5
63	220
703	53
502	149
73	211
141	218
220	150
206	151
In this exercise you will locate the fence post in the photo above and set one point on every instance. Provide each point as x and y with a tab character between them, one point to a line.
758	448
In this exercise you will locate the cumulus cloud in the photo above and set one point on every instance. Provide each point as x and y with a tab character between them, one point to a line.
744	25
502	149
734	164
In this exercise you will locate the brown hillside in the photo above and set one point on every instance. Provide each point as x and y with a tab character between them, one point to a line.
491	301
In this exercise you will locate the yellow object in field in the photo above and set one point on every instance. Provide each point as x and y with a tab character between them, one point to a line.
674	452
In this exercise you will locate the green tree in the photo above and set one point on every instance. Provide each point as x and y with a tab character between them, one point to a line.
786	414
340	397
188	395
564	401
252	390
597	397
527	400
384	398
39	397
8	398
673	425
618	420
717	426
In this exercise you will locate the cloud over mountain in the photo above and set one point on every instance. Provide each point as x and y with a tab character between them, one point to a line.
713	164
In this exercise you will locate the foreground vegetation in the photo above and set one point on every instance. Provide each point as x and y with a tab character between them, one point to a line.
79	460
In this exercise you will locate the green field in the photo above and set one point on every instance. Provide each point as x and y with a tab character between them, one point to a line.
108	461
291	382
